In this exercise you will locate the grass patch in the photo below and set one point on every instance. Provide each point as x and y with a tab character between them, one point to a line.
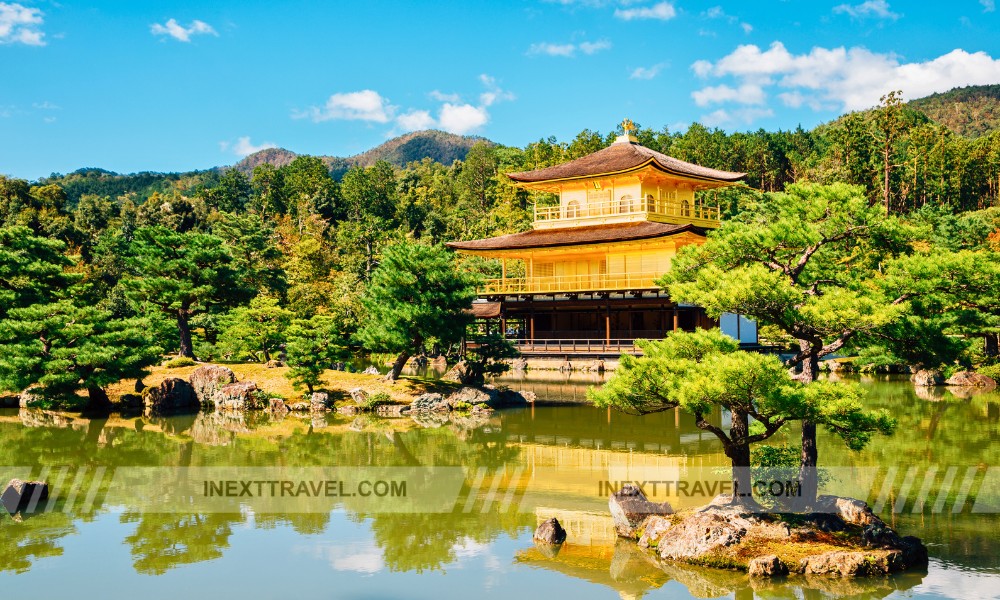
179	362
275	384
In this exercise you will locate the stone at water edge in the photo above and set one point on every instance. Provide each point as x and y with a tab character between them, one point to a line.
767	566
630	507
173	394
237	396
653	529
925	378
319	401
359	396
19	495
970	379
373	370
278	407
430	402
550	532
209	379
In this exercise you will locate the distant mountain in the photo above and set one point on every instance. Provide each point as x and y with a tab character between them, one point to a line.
278	157
971	111
438	146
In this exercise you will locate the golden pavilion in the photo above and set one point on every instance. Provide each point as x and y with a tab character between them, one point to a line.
590	262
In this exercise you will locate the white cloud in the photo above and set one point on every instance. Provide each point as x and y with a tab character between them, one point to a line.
747	93
569	50
365	105
453	115
442	97
243	147
493	93
870	8
181	33
988	5
740	116
747	27
46	105
594	47
462	118
663	11
415	120
646	72
844	78
20	25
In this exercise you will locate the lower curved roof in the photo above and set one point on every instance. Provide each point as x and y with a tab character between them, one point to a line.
576	236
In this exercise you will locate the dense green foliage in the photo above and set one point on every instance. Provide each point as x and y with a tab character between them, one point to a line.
417	300
705	370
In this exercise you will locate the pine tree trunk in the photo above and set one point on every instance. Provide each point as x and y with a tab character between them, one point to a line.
991	344
739	456
267	356
810	453
184	330
397	367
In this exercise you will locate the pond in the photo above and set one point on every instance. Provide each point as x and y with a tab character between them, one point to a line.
125	521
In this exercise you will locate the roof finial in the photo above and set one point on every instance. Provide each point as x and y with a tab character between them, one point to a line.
627	137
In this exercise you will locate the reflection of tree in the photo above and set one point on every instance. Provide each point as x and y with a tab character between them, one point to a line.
36	537
426	542
164	541
305	523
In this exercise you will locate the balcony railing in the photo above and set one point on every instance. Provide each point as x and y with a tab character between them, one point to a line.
670	211
571	283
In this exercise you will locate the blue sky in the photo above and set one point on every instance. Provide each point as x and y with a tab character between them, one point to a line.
132	86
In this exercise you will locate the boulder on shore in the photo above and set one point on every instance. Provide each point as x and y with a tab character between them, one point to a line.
172	395
767	566
206	380
237	396
926	378
20	495
630	507
970	379
319	402
359	396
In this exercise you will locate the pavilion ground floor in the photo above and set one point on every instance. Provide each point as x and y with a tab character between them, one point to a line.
596	325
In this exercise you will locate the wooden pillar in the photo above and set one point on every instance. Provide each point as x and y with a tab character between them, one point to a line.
676	320
607	324
531	327
503	272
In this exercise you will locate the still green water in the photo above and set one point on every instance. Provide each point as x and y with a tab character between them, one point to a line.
513	469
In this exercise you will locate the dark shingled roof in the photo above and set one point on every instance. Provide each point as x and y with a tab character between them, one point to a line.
485	310
619	157
573	236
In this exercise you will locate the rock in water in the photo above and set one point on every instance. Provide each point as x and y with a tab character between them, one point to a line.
550	532
925	378
172	395
24	496
766	566
209	379
970	379
630	507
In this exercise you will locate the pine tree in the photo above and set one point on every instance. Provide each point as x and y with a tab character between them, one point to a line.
417	297
313	345
64	348
183	274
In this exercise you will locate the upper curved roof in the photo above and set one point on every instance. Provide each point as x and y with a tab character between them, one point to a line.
622	157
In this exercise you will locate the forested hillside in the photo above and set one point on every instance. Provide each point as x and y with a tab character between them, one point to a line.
971	111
